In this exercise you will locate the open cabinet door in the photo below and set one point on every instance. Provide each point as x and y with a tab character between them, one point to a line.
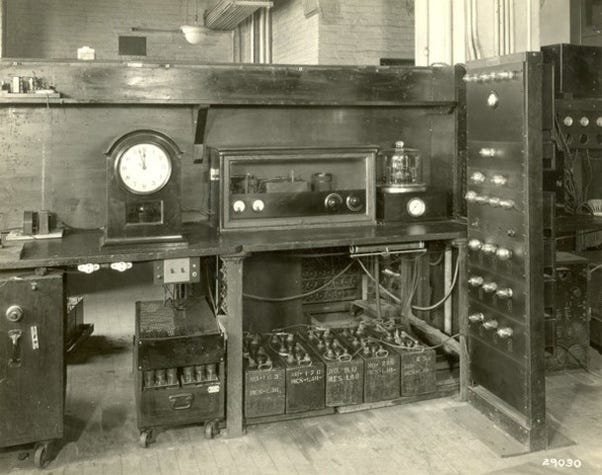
505	324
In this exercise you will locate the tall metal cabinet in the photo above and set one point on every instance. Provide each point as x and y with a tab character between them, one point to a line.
505	244
32	368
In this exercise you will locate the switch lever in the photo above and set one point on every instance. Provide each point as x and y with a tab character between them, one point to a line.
14	336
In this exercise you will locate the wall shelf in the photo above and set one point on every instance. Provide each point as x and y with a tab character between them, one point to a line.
227	14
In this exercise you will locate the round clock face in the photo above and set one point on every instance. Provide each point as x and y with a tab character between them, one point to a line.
416	207
144	168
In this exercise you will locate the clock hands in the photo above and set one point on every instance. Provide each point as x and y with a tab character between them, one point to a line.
142	154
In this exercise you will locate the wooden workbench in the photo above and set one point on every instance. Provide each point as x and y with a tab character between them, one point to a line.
84	247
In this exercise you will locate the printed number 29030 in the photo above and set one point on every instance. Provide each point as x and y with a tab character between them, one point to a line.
561	463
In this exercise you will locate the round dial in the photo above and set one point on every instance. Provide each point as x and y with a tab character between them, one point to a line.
144	168
416	207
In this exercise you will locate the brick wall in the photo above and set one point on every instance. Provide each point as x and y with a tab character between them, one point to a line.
362	32
343	32
294	37
56	28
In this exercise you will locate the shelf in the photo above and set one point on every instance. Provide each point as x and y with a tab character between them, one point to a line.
30	98
227	14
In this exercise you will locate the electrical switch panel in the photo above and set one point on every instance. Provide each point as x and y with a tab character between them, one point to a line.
505	243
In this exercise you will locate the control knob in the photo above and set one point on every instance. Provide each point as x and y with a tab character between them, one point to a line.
475	281
333	202
499	180
482	199
507	204
477	178
503	254
14	313
505	332
494	201
488	248
470	196
490	325
354	203
487	152
505	293
474	245
476	317
489	287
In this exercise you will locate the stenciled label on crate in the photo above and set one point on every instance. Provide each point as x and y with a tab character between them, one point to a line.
306	375
338	374
384	366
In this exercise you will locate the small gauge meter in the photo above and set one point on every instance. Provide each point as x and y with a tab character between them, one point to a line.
416	207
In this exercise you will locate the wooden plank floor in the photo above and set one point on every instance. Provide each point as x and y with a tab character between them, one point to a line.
421	438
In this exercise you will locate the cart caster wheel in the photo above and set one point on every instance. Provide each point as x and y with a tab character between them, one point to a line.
211	430
145	439
41	456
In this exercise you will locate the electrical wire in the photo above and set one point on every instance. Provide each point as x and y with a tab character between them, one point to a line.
299	296
572	236
594	269
445	297
371	277
210	292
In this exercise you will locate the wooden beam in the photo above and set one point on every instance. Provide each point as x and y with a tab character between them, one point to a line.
183	83
232	268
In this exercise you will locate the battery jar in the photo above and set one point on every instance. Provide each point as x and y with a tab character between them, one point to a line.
401	170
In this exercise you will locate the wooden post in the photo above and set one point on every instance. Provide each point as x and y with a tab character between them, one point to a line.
232	269
462	308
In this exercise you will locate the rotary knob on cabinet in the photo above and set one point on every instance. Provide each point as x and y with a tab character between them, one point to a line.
475	281
477	178
482	199
476	317
489	287
505	75
505	293
488	248
505	332
487	152
503	254
494	201
474	245
490	325
14	313
507	204
470	196
499	180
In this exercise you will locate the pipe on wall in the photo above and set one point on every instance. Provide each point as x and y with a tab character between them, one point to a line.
496	28
268	35
511	25
261	35
506	26
474	29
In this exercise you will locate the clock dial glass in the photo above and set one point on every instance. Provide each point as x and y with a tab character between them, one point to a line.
416	207
144	168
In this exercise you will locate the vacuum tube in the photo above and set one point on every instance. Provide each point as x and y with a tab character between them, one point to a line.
402	170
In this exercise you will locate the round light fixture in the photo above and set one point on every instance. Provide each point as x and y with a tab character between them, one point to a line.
192	33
